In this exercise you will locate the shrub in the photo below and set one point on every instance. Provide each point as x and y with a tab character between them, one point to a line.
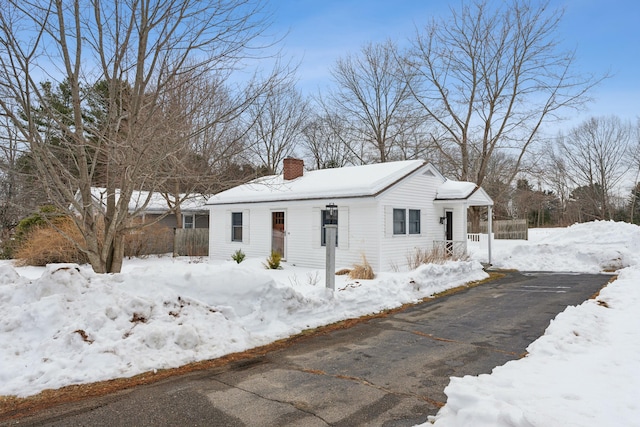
273	261
362	271
152	239
25	227
238	256
51	243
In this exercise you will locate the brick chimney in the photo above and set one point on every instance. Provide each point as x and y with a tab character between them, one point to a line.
293	168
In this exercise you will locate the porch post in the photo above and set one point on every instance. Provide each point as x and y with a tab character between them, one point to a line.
489	229
465	228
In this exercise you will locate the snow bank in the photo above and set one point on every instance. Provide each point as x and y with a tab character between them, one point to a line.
72	326
588	248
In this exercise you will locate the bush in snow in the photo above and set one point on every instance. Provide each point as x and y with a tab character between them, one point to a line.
273	261
57	241
238	256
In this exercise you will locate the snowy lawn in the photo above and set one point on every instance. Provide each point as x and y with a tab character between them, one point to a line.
65	325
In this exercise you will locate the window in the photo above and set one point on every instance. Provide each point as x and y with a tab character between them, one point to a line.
406	221
414	221
188	221
399	221
236	226
324	217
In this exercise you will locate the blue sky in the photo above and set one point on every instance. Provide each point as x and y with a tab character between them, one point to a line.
606	35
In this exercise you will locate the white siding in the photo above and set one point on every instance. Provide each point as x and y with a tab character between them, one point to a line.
357	236
355	221
256	238
414	192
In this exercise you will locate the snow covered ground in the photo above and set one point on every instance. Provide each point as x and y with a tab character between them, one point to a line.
65	325
585	369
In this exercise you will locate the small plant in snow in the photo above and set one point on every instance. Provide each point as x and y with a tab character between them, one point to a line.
273	261
313	279
238	256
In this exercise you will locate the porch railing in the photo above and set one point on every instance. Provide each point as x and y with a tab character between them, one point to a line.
473	237
450	248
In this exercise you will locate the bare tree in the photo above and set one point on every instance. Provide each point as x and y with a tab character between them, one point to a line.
209	122
556	175
322	142
490	77
118	59
597	155
374	101
276	122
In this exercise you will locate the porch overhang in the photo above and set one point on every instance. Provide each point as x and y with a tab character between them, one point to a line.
463	195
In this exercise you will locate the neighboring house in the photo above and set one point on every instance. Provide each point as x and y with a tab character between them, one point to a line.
165	236
194	212
386	212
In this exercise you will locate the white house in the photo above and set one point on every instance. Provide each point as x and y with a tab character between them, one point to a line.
385	212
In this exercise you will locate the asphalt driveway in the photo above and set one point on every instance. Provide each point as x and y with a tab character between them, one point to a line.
387	371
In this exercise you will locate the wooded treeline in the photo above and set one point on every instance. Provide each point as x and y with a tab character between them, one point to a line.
145	95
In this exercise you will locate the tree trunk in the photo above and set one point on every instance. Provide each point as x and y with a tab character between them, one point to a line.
116	254
474	217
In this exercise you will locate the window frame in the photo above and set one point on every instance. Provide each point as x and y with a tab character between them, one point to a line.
236	227
184	220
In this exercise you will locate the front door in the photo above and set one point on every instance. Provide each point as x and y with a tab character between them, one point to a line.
449	232
277	232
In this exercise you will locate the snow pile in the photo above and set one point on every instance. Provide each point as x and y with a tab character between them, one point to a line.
585	369
66	325
588	248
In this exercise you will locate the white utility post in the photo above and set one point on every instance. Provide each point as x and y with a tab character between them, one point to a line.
331	229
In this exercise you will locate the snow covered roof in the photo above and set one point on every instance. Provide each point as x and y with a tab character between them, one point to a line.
350	181
463	190
157	202
455	190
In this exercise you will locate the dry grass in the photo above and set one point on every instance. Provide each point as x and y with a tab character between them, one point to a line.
362	271
54	243
46	244
423	256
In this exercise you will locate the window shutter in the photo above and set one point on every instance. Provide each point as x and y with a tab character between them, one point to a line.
316	224
388	221
343	227
245	226
227	227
